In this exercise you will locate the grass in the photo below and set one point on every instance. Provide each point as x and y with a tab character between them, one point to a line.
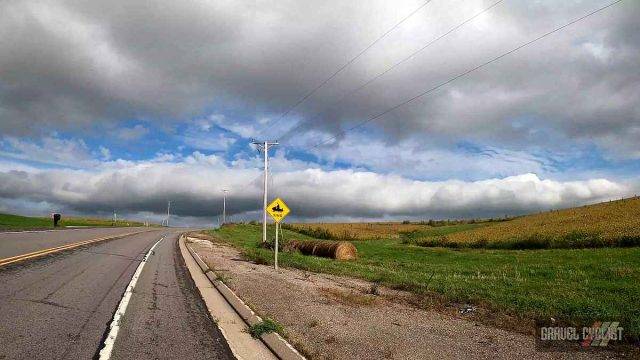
415	236
576	286
16	222
265	327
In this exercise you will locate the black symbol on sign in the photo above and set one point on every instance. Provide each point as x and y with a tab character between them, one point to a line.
277	208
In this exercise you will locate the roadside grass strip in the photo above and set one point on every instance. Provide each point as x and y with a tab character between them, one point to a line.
573	286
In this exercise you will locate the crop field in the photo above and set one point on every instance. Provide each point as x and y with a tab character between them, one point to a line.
380	230
16	222
615	223
355	231
576	286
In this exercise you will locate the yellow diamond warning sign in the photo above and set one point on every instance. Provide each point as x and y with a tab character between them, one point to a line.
278	210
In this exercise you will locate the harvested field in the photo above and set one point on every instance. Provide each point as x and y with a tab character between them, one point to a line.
615	223
355	231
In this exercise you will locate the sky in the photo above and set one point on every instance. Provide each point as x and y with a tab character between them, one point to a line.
124	105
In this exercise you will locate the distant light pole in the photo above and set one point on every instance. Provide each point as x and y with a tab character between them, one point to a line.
224	206
168	213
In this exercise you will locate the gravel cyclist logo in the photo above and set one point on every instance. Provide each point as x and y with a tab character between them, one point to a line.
599	334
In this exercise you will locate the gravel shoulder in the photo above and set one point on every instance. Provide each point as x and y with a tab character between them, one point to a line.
332	317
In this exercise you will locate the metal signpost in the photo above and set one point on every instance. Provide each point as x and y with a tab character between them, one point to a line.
278	211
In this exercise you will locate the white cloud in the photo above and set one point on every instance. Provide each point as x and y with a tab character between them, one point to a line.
239	128
204	140
106	153
133	133
88	66
49	150
194	186
419	158
76	64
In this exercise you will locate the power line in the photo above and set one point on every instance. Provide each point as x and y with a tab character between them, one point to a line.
241	190
323	83
271	181
246	185
465	73
352	92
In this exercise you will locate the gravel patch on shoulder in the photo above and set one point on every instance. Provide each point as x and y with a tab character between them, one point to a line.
332	317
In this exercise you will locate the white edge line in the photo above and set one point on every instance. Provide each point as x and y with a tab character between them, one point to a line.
114	327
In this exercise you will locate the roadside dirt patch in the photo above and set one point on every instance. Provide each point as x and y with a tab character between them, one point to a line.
332	317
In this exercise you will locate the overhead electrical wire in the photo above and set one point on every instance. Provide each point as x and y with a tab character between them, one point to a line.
464	73
352	92
325	81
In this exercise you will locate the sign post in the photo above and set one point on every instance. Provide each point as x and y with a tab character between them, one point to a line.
278	211
275	254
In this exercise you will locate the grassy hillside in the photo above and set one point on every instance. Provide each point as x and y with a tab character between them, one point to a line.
574	286
615	223
16	222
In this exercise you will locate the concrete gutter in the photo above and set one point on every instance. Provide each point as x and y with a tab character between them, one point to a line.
231	325
278	345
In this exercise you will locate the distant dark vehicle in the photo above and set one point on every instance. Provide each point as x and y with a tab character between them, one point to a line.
56	219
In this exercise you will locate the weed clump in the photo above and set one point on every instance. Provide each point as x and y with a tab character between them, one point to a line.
265	327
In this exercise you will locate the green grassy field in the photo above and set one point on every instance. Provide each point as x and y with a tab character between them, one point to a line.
16	222
572	285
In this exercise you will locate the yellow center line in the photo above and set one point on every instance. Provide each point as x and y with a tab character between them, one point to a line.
13	259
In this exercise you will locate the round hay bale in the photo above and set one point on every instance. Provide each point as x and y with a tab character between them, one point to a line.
339	250
345	251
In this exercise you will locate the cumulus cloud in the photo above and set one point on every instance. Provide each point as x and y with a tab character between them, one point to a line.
49	150
105	153
419	159
78	63
193	185
206	76
132	133
200	134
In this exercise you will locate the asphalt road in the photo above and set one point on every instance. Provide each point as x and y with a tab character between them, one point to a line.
60	306
17	243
